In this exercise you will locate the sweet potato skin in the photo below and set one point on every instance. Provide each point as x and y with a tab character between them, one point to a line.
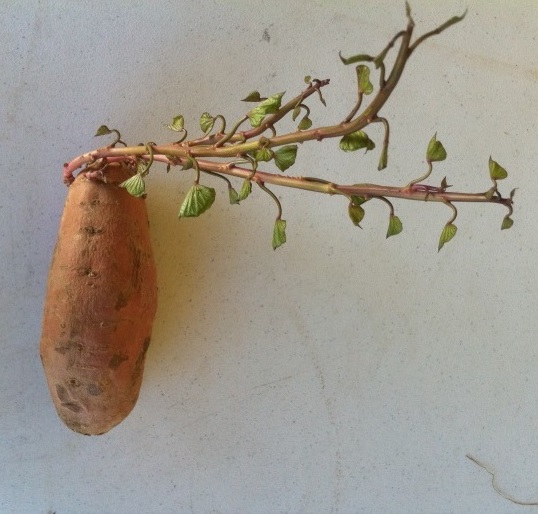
100	304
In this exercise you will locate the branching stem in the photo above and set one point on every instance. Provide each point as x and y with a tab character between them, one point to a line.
221	152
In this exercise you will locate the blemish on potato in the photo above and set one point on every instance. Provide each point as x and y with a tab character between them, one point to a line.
62	393
122	301
116	360
65	346
94	389
74	382
92	231
75	407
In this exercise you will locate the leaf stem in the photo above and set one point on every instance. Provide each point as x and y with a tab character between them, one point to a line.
274	197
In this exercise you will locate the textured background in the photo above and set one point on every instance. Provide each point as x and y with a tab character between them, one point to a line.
341	373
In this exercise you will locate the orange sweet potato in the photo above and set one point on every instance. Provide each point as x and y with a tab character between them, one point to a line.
100	304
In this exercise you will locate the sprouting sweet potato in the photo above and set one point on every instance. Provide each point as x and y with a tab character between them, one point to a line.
100	304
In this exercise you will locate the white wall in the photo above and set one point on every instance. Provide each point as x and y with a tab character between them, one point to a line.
342	373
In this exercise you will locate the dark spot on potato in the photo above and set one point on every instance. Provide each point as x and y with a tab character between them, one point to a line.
75	407
146	344
62	393
95	201
92	231
88	272
94	389
121	301
74	382
77	427
139	365
116	360
66	346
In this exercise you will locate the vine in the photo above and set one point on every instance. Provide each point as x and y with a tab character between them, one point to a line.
238	153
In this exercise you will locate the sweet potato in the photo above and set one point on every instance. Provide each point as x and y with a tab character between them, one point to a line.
100	304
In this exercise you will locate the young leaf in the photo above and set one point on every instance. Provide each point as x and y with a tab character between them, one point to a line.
233	195
103	130
135	185
363	78
395	226
449	231
356	141
490	192
263	154
279	233
296	112
436	151
507	222
254	97
189	164
285	157
358	200
142	168
307	79
246	189
383	158
321	99
268	106
355	58
177	124
496	171
356	213
305	123
206	122
198	199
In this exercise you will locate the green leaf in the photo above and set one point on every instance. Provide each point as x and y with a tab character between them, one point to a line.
296	112
268	106
383	158
513	192
356	141
490	192
305	123
189	164
395	226
198	199
135	185
279	233
496	171
307	79
285	157
507	222
142	168
246	189
263	154
356	213
359	200
233	195
363	78
206	122
356	58
449	231
177	124
436	151
254	97
103	130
